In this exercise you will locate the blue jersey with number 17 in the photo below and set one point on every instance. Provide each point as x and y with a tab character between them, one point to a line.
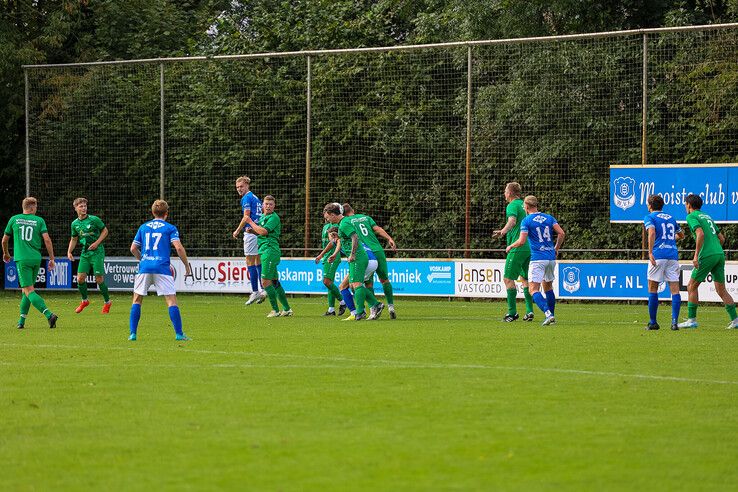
154	238
666	228
539	227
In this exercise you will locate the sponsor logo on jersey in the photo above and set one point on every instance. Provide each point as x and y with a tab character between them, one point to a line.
624	192
570	279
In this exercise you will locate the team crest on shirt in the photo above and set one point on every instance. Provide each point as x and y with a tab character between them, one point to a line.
570	279
624	192
156	225
539	218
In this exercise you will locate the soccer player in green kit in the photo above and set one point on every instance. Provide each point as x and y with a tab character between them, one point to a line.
268	230
330	267
358	261
518	259
367	230
28	230
90	232
709	258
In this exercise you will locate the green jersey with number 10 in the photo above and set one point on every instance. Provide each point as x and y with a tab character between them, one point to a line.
27	230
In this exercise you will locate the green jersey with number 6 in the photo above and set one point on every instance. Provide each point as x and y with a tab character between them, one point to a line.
345	230
364	226
88	230
711	245
26	230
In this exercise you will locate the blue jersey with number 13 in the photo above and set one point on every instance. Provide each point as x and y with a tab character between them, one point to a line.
666	228
154	238
539	227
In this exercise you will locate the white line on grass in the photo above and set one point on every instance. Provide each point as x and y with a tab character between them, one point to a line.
357	364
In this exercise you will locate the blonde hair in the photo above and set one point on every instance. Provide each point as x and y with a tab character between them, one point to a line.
159	208
28	202
515	189
79	200
531	201
244	179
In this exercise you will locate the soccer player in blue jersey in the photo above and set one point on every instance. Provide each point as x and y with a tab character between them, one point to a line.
250	207
663	256
152	247
538	228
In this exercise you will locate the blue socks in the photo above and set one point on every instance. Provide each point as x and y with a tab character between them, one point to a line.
653	306
542	304
676	303
254	278
135	317
348	298
551	301
176	319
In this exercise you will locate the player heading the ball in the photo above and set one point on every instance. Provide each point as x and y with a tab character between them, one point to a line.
152	247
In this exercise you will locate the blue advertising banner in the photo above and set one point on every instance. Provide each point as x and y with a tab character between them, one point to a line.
610	280
630	187
58	278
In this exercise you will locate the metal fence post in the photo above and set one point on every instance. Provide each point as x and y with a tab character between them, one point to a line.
644	116
161	131
307	157
28	146
467	218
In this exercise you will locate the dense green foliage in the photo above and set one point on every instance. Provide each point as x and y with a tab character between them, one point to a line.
392	126
446	397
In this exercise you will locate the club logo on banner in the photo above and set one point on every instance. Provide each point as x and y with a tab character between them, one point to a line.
570	279
624	193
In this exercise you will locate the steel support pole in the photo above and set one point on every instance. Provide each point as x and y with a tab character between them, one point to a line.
308	137
161	131
467	218
28	146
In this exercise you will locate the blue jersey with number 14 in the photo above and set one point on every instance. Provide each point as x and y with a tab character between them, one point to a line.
251	203
666	228
539	227
154	238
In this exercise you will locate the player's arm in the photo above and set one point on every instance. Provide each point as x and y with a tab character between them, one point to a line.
324	252
70	249
560	235
521	241
332	257
136	251
381	232
511	221
699	241
721	238
261	231
6	251
49	249
244	220
354	246
651	231
182	256
103	235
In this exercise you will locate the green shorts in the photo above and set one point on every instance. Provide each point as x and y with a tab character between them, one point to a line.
357	270
94	259
516	265
269	262
27	272
329	269
714	264
382	271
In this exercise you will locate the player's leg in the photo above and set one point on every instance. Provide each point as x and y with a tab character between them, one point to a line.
357	268
698	276
377	307
98	268
282	297
672	277
383	275
655	275
718	278
525	265
536	276
164	285
269	277
348	297
82	269
509	275
25	307
251	252
330	273
140	289
27	273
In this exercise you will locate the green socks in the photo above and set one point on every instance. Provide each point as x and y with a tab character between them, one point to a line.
282	296
25	306
388	295
359	298
371	299
528	300
511	308
333	294
39	304
272	294
103	290
731	311
692	310
82	286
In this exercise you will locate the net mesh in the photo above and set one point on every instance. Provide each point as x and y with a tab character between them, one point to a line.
388	133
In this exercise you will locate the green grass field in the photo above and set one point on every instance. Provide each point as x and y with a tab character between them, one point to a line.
445	397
